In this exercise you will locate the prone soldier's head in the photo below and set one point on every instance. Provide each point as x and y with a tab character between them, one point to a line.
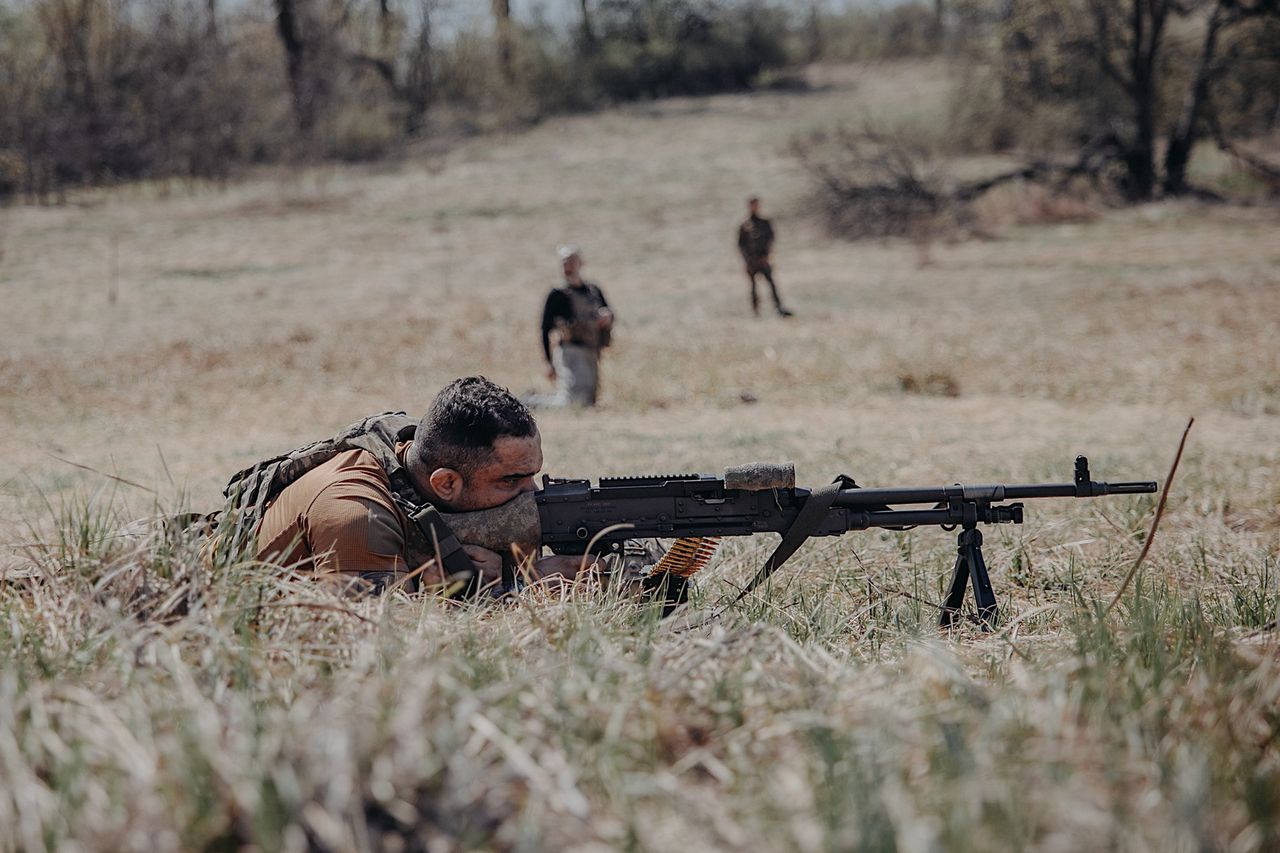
476	448
753	205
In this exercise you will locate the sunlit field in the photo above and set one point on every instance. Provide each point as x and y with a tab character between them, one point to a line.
158	338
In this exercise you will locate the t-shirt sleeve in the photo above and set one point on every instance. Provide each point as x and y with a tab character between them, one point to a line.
352	533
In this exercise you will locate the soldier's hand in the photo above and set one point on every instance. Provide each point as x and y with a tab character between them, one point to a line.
488	563
551	373
605	319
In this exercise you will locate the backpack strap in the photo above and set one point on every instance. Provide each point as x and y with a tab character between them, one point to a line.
431	538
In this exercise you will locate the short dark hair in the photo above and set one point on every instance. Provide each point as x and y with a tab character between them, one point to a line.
463	422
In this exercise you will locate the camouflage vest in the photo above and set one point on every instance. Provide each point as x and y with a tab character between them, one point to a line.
252	490
584	329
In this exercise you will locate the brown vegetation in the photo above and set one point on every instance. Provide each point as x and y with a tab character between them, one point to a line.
149	704
99	91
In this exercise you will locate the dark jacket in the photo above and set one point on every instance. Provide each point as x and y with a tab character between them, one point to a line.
755	238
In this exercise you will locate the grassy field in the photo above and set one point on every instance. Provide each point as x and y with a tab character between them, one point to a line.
167	336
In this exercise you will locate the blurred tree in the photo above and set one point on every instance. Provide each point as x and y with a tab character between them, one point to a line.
96	91
815	47
586	29
1210	67
502	32
400	53
304	82
1119	64
655	48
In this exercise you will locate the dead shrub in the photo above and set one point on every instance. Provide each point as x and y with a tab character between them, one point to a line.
933	384
1033	204
871	183
874	184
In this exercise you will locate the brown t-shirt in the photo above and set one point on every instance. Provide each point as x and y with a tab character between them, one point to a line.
338	517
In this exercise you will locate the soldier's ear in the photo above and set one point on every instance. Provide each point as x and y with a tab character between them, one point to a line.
447	484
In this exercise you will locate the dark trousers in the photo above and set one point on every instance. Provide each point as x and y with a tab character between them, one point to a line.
755	268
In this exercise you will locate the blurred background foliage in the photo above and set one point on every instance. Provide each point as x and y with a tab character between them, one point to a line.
100	91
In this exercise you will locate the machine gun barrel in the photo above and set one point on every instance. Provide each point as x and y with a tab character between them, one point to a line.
864	498
1083	487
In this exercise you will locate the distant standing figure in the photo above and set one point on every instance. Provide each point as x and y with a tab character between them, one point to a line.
582	321
755	242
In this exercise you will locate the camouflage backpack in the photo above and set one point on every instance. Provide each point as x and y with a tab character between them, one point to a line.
252	490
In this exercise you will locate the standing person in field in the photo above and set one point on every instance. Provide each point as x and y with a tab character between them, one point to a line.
755	242
577	313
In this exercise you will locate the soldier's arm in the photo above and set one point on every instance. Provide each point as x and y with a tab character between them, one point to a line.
351	533
553	310
606	315
359	536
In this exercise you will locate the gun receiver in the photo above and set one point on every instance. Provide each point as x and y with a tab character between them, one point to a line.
575	515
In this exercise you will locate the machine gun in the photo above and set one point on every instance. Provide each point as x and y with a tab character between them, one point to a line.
573	516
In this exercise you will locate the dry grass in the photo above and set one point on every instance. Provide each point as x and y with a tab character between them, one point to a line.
147	704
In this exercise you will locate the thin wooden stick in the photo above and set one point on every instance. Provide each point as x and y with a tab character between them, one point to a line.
99	473
1155	522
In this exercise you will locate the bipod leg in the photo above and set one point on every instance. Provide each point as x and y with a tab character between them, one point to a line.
970	568
983	595
955	595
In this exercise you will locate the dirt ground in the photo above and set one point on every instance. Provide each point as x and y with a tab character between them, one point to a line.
170	338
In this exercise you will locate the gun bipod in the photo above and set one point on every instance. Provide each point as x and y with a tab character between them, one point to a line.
970	568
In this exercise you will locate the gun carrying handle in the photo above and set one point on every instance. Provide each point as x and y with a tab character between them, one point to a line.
760	476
